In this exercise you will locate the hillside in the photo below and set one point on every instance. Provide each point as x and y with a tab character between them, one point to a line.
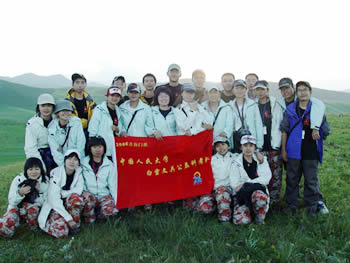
45	82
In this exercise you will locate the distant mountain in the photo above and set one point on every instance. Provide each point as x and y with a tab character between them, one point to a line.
45	82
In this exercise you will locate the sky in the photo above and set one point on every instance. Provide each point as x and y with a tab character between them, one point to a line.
305	40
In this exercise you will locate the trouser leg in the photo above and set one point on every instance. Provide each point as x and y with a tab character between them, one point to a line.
292	182
206	204
312	192
89	207
223	202
9	223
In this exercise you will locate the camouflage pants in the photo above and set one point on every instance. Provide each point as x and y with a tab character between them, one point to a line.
242	215
57	225
275	162
95	207
219	200
11	221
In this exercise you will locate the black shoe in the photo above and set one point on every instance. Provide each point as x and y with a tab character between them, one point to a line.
74	231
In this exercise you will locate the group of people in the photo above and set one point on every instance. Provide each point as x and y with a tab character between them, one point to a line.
69	173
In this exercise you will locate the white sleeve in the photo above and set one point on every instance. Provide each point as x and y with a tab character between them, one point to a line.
30	144
14	198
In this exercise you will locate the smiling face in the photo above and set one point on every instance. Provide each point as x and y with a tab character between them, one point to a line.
248	149
213	95
79	85
188	96
64	115
261	93
45	110
133	96
113	99
221	148
34	172
149	83
239	91
163	99
287	92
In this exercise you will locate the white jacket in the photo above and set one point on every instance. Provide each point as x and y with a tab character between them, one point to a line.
221	166
36	137
277	116
142	125
102	184
239	176
14	198
57	136
317	111
101	125
167	125
187	119
54	200
224	122
252	120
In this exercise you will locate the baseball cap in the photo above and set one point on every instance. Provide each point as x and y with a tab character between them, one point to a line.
248	139
63	105
261	84
46	98
188	87
70	151
211	86
285	82
118	78
239	82
174	66
114	90
305	83
220	139
133	87
76	76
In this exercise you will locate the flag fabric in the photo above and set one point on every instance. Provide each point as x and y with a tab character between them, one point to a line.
151	171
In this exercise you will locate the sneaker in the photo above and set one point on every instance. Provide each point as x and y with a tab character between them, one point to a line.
322	208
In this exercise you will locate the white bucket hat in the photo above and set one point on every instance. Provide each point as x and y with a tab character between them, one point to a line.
46	98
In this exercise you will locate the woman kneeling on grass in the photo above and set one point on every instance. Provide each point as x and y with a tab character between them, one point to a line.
26	196
60	213
99	182
249	180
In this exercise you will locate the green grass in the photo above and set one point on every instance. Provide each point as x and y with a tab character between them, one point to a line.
184	237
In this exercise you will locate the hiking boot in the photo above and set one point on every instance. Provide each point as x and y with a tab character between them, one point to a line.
322	208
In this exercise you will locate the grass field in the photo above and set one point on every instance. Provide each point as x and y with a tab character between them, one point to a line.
184	237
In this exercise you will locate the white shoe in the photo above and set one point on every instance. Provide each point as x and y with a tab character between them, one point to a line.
322	208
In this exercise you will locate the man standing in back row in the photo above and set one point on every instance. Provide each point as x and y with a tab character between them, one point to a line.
82	102
174	74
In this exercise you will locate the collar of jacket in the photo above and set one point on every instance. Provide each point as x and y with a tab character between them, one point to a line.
291	109
221	104
71	95
85	163
140	105
239	160
156	110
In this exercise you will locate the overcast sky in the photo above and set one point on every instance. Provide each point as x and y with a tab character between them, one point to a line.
305	40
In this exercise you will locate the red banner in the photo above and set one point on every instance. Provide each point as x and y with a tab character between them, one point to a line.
151	171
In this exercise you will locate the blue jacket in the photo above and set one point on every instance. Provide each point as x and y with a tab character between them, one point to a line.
294	141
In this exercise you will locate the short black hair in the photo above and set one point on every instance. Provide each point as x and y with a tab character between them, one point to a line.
252	74
96	140
149	75
166	90
34	162
37	108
